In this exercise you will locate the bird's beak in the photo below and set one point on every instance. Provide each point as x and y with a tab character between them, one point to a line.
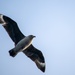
34	36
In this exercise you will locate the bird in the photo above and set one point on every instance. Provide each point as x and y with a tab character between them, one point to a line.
22	43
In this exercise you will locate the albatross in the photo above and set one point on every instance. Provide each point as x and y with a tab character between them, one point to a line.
22	43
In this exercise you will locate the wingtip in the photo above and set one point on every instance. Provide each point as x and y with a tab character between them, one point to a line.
2	20
40	65
42	69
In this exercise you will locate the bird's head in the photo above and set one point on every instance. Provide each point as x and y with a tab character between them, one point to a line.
32	36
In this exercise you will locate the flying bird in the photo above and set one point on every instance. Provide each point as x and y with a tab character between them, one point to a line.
22	43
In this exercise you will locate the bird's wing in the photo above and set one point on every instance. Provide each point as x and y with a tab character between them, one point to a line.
36	56
12	29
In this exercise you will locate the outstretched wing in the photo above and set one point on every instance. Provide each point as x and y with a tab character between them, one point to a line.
12	29
36	56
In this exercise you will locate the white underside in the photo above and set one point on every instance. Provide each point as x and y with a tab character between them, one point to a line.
27	45
22	45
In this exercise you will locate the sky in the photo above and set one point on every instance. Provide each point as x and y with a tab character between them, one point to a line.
53	24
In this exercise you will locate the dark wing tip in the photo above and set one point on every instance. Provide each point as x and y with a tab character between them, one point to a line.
40	65
42	69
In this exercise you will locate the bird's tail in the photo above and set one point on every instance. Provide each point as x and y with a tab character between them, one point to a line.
12	53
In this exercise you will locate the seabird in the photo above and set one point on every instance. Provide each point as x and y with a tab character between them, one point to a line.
22	43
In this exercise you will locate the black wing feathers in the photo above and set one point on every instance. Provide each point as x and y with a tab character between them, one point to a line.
36	56
13	30
32	50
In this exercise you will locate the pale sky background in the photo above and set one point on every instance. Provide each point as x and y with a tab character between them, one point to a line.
53	24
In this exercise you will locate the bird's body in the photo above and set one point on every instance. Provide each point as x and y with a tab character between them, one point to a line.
22	43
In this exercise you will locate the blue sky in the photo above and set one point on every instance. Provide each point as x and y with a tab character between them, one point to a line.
53	24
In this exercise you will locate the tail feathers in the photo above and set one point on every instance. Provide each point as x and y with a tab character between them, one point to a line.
12	53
